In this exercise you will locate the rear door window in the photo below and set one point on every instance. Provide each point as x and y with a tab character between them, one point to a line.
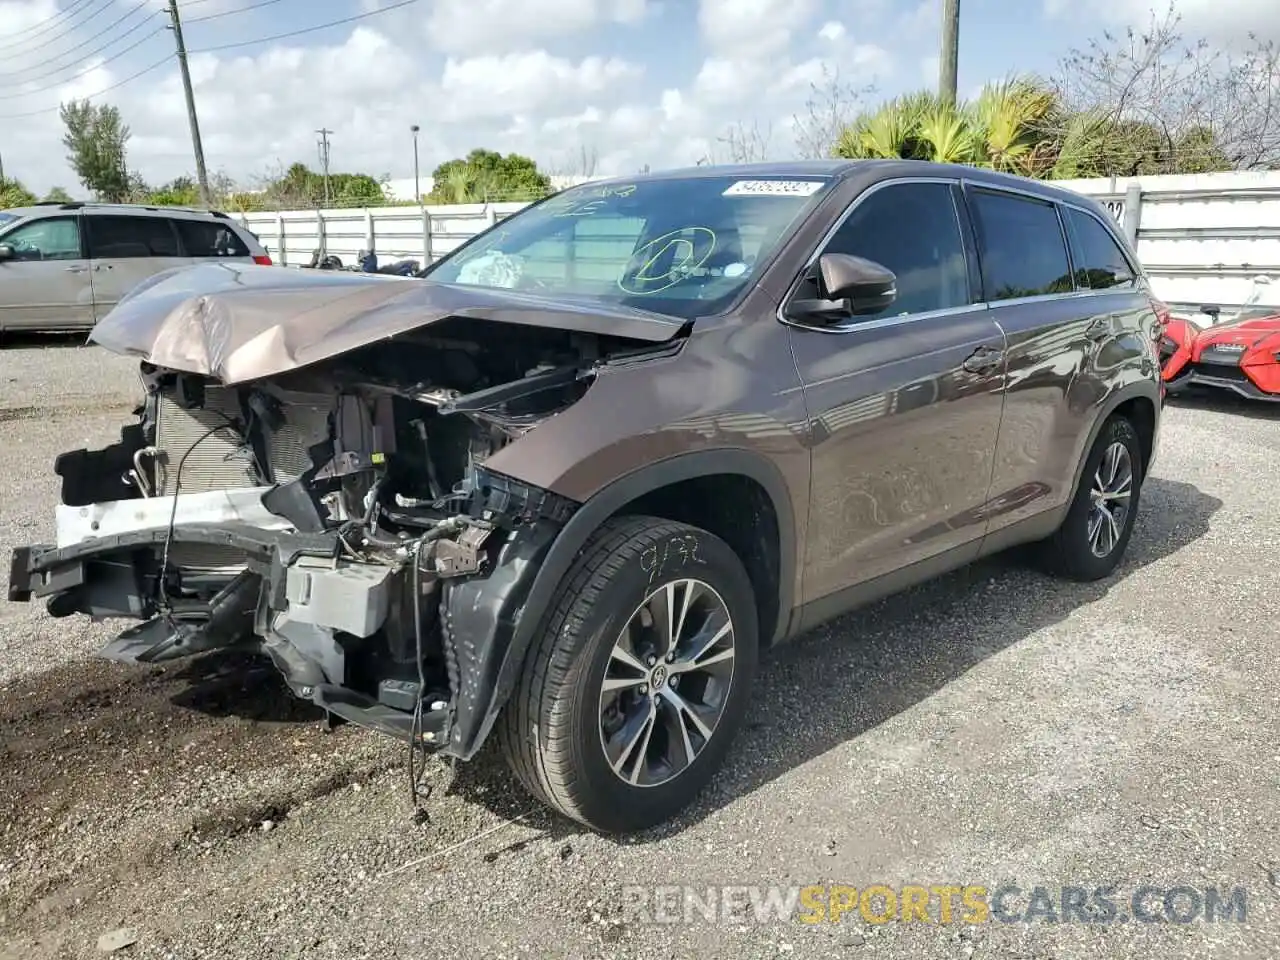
1021	246
1100	263
200	238
113	237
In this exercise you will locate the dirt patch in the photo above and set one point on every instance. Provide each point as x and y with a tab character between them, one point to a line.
163	761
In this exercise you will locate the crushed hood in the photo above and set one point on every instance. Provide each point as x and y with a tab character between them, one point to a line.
240	322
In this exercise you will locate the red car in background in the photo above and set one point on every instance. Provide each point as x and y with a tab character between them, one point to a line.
1241	354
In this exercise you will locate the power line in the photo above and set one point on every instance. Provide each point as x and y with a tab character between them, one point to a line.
87	70
35	27
66	30
295	33
9	77
227	13
115	86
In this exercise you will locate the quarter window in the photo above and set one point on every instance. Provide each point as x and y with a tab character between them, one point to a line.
129	237
201	238
51	238
1100	263
913	229
1021	246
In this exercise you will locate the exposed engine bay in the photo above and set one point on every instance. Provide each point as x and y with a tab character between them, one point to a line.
339	518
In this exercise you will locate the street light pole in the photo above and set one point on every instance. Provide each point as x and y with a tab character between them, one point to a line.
417	190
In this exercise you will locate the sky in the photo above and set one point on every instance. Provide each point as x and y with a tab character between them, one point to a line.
583	86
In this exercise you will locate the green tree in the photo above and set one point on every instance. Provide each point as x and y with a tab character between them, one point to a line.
179	192
14	194
299	187
1022	126
486	175
57	195
96	138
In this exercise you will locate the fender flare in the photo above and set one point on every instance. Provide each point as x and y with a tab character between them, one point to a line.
589	517
1142	389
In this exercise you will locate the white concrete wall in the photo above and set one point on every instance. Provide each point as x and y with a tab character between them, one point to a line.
1203	237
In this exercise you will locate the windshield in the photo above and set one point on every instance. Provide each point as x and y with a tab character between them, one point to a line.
684	247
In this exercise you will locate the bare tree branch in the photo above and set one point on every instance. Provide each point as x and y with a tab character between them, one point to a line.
1209	106
831	106
746	144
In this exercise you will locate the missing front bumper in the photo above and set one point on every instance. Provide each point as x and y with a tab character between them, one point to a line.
339	630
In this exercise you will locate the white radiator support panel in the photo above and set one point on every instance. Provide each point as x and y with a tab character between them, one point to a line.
77	524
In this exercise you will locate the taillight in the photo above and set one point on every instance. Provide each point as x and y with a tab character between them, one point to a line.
262	261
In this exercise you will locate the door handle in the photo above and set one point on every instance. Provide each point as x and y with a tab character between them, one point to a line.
1099	329
76	269
983	360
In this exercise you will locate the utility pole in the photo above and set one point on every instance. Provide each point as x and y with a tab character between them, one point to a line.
417	190
201	176
324	160
950	55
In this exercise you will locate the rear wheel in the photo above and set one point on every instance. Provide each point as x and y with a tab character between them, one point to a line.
1092	539
639	679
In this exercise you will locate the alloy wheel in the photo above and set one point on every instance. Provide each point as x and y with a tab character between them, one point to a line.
667	683
1110	498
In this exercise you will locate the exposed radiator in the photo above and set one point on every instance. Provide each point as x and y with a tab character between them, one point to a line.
221	460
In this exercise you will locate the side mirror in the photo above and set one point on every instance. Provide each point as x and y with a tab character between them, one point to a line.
848	286
6	252
1212	309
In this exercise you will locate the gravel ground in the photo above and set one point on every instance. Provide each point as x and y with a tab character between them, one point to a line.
992	727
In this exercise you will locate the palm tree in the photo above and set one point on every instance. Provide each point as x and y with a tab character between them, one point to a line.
1017	125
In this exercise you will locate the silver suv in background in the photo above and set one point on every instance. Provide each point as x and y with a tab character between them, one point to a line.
63	266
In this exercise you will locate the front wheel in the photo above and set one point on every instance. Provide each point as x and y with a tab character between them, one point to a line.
639	678
1092	539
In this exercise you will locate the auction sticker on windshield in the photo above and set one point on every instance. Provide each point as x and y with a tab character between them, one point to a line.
774	188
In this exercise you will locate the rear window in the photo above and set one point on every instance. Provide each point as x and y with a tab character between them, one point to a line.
1100	263
7	218
204	239
130	237
1021	246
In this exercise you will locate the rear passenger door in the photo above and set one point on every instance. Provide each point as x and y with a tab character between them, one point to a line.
1053	335
904	406
125	250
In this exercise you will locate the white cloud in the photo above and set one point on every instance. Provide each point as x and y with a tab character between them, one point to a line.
832	30
929	71
25	18
516	82
746	29
497	26
1225	22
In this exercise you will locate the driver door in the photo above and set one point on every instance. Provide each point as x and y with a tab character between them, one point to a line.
46	284
904	405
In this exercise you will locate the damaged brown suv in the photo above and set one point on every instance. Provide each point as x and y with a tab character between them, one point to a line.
563	490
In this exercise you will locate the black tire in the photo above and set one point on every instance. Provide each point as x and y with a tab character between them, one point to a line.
550	729
1069	553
